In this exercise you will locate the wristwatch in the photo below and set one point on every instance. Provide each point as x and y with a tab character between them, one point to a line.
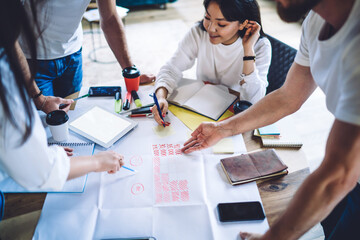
249	58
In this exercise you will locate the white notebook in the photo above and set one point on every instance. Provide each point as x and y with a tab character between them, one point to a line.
285	140
206	99
76	185
289	138
101	126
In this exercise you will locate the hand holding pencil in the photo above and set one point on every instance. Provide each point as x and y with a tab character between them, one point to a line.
160	107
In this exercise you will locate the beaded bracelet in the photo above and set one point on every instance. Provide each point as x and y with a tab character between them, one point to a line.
43	104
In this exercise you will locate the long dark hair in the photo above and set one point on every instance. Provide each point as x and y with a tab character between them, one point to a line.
13	20
238	10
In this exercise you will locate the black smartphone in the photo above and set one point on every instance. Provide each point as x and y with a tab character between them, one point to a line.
135	238
104	91
240	211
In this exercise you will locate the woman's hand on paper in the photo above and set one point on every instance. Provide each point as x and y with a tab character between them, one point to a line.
164	108
69	151
250	236
206	135
109	161
161	94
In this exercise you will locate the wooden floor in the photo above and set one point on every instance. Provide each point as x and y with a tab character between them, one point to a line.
312	121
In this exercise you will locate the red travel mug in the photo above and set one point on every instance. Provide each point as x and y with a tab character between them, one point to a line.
132	78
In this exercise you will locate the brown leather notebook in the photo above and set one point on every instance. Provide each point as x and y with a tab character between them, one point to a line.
253	166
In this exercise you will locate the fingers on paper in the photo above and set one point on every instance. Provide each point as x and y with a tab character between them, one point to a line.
193	144
156	115
69	151
249	236
117	161
155	112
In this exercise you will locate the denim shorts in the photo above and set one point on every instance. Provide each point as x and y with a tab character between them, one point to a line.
60	77
344	221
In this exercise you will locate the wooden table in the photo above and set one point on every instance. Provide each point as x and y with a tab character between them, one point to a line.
275	193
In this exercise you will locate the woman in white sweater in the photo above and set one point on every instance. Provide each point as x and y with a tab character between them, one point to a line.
230	48
24	153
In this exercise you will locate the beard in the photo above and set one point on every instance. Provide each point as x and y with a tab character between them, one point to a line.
295	11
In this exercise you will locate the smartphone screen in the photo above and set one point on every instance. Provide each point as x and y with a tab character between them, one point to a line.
240	211
103	91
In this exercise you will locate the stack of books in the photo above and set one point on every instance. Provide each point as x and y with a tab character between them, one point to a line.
274	136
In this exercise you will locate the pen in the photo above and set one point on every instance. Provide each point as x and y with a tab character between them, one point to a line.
127	101
129	169
118	102
158	108
139	115
136	98
75	99
86	95
134	109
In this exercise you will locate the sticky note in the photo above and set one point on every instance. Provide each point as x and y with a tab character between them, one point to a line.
225	145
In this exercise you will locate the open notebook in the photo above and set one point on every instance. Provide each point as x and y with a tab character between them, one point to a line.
206	99
76	185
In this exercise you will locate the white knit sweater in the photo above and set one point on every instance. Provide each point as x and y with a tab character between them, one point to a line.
218	64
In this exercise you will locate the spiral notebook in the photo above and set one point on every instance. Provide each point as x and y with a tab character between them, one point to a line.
288	138
76	185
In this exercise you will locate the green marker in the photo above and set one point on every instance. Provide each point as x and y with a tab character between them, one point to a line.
136	98
118	103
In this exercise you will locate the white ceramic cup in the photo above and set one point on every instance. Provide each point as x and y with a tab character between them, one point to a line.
58	122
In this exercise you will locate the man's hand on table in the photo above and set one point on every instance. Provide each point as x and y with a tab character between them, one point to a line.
206	135
250	236
50	103
147	78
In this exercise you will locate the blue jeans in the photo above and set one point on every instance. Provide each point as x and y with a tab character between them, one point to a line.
344	221
60	77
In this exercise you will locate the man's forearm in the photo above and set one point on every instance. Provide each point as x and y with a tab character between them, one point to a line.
267	111
311	204
33	89
114	32
276	105
326	187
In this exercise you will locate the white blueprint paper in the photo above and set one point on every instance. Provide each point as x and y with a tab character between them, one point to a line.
172	195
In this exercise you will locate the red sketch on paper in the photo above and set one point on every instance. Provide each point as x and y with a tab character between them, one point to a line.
185	196
175	196
183	185
137	188
168	189
136	161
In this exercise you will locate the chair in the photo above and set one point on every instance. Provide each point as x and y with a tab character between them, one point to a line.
2	205
282	58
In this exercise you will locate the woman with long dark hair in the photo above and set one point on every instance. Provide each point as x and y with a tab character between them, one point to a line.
24	153
230	48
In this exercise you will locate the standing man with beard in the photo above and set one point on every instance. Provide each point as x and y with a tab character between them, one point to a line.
328	57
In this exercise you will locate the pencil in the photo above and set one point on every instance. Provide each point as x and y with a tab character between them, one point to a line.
129	169
61	106
86	95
